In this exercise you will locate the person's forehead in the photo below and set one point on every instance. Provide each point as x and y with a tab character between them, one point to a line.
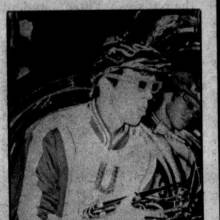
138	75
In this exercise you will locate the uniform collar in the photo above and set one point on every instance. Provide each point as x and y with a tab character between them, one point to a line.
101	130
159	126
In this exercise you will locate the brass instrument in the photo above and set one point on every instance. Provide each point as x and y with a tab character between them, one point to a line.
171	202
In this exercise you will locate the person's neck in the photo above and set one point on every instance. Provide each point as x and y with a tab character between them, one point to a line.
162	114
109	115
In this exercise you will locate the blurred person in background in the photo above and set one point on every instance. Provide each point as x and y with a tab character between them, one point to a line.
174	122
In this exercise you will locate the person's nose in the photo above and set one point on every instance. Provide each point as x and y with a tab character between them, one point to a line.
148	95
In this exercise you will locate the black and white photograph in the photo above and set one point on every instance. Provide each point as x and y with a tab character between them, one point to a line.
105	114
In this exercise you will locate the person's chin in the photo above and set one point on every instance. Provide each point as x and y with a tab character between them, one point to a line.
135	121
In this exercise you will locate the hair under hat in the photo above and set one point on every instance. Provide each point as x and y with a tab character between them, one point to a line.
185	81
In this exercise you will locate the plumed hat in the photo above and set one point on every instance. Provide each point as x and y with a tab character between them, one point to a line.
121	54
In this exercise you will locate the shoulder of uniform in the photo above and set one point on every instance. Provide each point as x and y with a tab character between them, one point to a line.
60	118
191	138
149	135
74	111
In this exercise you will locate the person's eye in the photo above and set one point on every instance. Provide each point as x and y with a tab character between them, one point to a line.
155	87
190	105
142	85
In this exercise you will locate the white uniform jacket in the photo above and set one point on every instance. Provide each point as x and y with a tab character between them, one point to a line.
73	163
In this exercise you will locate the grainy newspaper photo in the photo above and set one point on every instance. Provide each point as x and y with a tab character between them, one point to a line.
105	114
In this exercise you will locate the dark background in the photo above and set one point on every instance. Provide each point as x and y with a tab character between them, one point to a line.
66	43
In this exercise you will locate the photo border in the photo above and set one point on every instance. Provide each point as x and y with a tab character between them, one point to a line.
209	83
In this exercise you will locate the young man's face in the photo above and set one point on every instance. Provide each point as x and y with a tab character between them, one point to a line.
132	94
182	110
